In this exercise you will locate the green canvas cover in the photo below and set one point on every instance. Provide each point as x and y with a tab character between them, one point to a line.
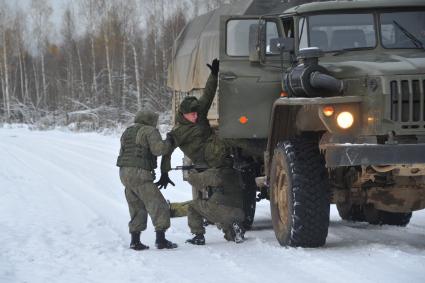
198	43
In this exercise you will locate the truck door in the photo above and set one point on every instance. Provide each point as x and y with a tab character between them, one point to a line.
248	86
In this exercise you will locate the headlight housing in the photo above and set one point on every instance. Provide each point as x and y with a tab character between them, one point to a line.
345	120
341	118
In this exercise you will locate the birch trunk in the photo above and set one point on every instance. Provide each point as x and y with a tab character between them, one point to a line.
108	63
27	93
136	73
83	92
43	76
155	53
69	76
3	91
124	67
94	68
71	66
21	73
6	79
37	86
164	48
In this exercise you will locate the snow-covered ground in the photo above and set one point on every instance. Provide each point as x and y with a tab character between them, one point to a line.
63	218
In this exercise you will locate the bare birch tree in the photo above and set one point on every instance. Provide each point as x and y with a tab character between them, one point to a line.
40	14
19	26
130	15
90	13
4	28
121	48
68	31
107	11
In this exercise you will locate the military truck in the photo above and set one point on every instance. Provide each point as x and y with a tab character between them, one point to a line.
323	103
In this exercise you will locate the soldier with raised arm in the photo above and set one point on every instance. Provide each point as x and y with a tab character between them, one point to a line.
218	185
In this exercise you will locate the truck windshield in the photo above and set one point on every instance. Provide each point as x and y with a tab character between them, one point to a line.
403	29
339	32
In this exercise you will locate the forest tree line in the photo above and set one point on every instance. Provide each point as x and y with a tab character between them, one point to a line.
110	60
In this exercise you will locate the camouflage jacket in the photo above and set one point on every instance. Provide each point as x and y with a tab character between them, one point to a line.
197	140
141	143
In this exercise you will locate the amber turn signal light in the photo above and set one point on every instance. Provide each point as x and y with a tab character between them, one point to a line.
328	111
243	120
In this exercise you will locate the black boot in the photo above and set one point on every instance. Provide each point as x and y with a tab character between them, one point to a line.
162	243
135	242
229	235
199	239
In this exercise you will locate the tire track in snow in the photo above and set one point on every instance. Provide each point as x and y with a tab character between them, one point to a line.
45	237
75	188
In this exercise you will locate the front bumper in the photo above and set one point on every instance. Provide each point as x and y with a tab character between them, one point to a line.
372	154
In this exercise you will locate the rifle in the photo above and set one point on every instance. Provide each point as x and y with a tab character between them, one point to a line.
189	167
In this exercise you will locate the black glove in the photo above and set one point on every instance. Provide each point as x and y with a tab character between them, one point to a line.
164	181
214	67
170	139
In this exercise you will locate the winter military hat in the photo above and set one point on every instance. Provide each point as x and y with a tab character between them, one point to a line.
147	117
189	104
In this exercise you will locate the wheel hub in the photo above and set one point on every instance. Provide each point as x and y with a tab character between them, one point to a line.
281	189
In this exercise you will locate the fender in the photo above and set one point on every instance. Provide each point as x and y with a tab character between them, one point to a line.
292	116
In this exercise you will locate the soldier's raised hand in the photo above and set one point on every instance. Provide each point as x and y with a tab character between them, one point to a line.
214	67
164	181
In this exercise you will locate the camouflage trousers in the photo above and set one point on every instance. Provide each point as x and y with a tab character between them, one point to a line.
143	198
219	199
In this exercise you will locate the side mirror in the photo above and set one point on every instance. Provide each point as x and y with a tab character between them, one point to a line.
280	44
253	43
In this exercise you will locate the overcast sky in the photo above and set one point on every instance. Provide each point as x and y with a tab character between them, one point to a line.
57	5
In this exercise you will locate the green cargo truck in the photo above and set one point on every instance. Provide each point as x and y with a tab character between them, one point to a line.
323	102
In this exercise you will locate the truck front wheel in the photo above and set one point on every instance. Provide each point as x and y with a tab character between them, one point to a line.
299	198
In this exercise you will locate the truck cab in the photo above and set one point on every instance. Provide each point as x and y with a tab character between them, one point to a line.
337	90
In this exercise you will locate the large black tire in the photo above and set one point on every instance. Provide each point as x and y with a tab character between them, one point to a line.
299	198
379	217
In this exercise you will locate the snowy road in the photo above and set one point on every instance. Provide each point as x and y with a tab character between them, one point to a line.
63	218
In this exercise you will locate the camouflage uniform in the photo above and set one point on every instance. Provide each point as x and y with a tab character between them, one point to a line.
220	181
179	209
141	143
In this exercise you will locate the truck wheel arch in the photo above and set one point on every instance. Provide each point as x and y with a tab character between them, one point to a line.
282	127
288	121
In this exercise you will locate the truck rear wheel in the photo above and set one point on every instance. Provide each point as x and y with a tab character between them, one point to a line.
350	212
379	217
299	198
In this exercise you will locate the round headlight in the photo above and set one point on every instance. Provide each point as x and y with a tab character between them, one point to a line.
345	120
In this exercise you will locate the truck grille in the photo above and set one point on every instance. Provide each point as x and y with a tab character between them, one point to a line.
408	103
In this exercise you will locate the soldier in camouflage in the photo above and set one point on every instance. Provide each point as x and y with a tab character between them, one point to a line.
141	143
218	185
